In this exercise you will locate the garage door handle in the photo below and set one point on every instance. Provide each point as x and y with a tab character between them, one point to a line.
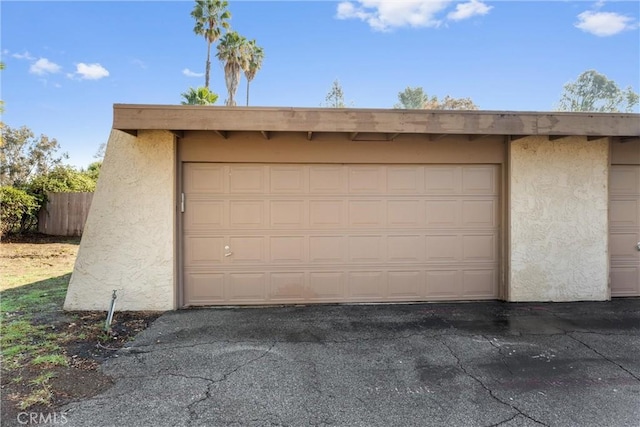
638	246
227	251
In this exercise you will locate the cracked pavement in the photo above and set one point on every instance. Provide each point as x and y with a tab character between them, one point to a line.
467	364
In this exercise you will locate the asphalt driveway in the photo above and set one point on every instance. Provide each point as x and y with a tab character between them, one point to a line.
473	364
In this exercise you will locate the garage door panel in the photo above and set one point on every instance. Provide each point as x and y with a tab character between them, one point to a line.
442	180
405	248
327	180
443	284
202	250
477	284
366	286
405	285
482	213
405	180
442	213
479	248
366	249
479	180
287	180
326	285
366	214
288	214
204	288
327	249
246	286
287	286
624	212
624	180
405	213
289	233
246	249
246	214
624	230
366	180
287	249
205	178
205	214
327	214
443	248
246	179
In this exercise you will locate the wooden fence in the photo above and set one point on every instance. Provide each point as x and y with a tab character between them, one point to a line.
64	214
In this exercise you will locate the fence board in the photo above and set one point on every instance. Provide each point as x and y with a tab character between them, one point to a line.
64	214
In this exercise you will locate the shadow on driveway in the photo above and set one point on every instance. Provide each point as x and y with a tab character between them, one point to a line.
468	364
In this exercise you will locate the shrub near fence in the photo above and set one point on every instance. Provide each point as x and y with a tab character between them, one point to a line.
64	214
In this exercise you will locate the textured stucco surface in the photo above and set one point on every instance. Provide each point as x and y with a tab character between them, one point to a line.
558	195
128	241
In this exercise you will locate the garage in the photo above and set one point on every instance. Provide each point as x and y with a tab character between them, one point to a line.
307	233
224	206
624	219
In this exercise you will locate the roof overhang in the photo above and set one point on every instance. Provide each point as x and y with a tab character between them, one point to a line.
388	122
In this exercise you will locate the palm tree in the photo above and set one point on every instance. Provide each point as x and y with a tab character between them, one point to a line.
211	16
199	96
233	51
256	55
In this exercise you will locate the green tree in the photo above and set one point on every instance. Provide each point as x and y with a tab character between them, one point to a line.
23	155
450	103
256	56
233	52
60	179
211	17
412	98
93	171
416	99
199	96
593	91
1	102
335	97
18	210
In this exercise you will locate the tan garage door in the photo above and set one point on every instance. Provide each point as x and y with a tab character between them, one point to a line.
624	231
271	234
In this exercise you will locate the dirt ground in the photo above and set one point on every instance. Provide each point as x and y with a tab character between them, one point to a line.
37	260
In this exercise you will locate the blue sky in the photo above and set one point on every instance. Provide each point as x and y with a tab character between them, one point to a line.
67	63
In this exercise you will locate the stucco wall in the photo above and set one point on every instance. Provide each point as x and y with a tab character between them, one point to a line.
558	219
128	241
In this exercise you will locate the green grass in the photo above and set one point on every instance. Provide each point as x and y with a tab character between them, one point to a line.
27	339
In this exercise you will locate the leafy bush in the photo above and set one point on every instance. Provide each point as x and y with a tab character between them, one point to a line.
18	210
61	179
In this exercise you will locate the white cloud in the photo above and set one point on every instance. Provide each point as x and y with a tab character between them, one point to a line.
43	66
91	71
139	63
603	24
25	55
467	10
383	15
187	72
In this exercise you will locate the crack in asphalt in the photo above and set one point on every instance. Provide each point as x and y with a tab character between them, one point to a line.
207	395
484	386
505	421
605	357
502	357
